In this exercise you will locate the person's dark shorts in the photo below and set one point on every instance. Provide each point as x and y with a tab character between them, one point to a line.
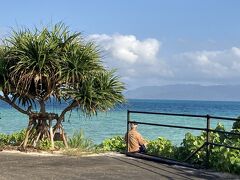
142	149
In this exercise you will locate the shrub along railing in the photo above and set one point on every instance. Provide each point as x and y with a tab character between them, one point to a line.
207	142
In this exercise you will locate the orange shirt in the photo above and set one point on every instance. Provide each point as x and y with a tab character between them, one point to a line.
134	140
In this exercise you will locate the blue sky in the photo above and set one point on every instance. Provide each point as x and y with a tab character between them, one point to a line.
150	42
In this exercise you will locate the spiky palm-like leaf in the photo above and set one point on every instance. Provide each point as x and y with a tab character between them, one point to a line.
2	66
47	63
100	92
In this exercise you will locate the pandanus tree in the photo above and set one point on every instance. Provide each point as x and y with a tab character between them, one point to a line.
54	64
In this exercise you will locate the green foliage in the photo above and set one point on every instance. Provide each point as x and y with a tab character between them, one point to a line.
189	145
236	129
4	139
14	139
221	158
59	145
161	147
44	144
2	67
116	143
236	125
79	141
17	138
225	159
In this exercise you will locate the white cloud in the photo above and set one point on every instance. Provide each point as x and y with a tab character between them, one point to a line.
136	60
208	66
236	51
140	63
127	48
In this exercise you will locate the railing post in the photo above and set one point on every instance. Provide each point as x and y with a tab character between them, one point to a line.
128	119
207	141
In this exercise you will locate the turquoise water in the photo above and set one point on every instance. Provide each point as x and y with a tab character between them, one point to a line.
113	123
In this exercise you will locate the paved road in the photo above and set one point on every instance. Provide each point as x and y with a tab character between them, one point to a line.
111	166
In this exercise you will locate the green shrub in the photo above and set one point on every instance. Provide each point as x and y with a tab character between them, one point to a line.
236	124
235	129
79	141
221	158
4	139
225	159
161	147
44	145
14	139
116	143
17	138
59	144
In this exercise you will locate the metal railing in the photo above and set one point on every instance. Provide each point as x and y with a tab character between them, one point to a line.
207	142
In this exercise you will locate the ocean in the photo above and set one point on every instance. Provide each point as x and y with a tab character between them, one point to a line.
114	122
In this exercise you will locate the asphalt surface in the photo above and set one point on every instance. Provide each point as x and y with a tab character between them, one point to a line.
107	166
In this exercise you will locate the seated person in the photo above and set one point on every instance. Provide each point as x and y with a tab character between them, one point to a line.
136	143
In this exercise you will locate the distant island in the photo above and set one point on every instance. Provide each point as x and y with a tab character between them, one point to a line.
187	92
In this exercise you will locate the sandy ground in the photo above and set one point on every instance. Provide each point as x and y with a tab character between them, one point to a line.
34	166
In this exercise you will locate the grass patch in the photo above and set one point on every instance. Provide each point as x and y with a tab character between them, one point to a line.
79	141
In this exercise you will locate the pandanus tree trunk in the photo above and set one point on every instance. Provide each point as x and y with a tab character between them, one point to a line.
40	127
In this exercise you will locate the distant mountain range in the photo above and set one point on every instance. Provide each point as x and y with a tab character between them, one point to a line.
187	92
